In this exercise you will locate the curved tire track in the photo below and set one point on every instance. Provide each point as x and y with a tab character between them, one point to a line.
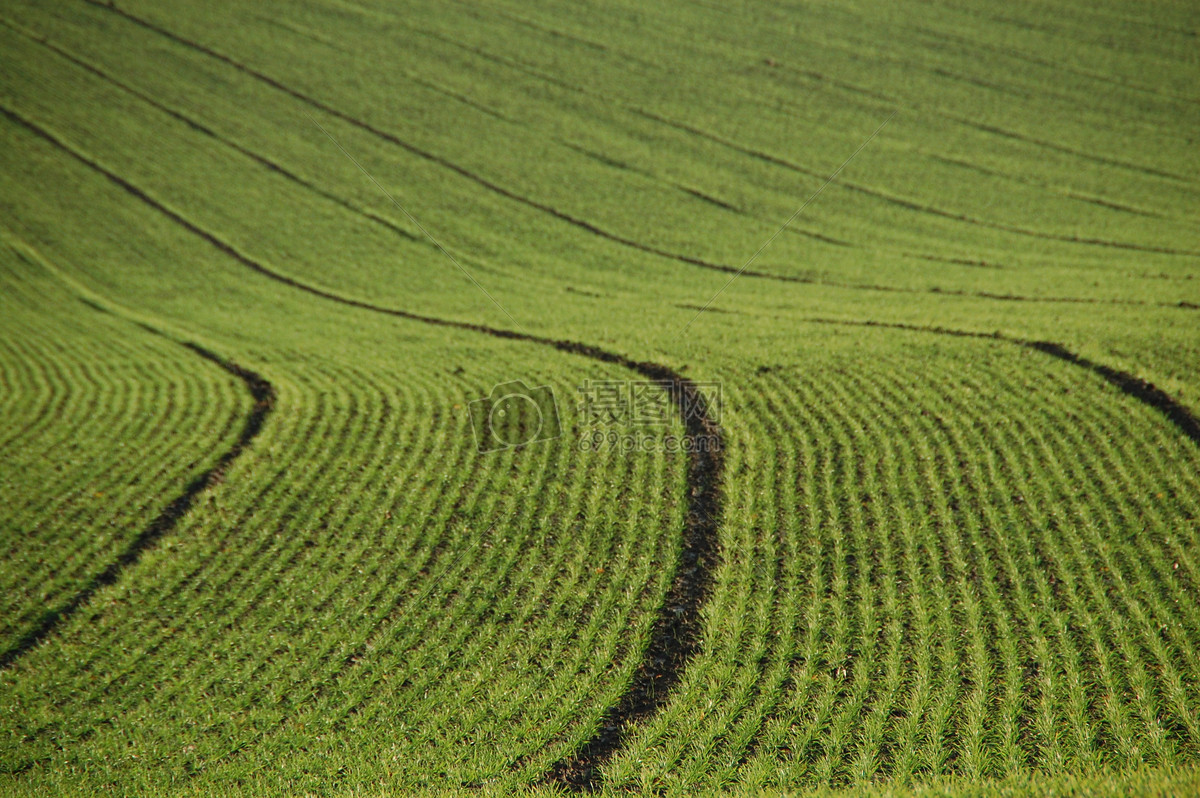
208	131
1017	54
1142	390
264	399
1179	415
909	204
676	631
539	74
608	235
536	72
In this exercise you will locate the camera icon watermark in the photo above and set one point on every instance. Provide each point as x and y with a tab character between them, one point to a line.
514	415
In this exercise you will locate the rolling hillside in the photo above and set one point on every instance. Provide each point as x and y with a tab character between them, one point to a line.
656	398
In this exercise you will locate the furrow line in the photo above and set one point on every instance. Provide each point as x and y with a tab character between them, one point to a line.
104	478
1020	55
615	237
1026	180
208	131
676	631
192	582
1089	659
264	396
407	146
538	73
1142	390
912	204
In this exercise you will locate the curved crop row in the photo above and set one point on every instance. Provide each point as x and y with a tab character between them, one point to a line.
942	554
458	574
969	561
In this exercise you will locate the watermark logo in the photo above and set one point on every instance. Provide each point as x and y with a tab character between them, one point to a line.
625	415
513	415
632	440
636	415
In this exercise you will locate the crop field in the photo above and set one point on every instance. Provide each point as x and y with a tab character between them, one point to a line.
481	398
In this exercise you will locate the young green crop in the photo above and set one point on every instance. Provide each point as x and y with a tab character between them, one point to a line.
957	538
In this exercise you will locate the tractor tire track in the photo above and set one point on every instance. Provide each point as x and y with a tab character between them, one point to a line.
908	64
1020	55
1049	145
260	563
914	205
850	47
676	631
589	227
1042	185
818	77
407	146
1013	52
206	130
1135	387
408	74
1180	416
263	394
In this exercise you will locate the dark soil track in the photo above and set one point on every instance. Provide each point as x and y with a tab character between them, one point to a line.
1145	392
583	224
264	400
675	635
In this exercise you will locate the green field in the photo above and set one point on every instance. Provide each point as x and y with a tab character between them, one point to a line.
859	416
